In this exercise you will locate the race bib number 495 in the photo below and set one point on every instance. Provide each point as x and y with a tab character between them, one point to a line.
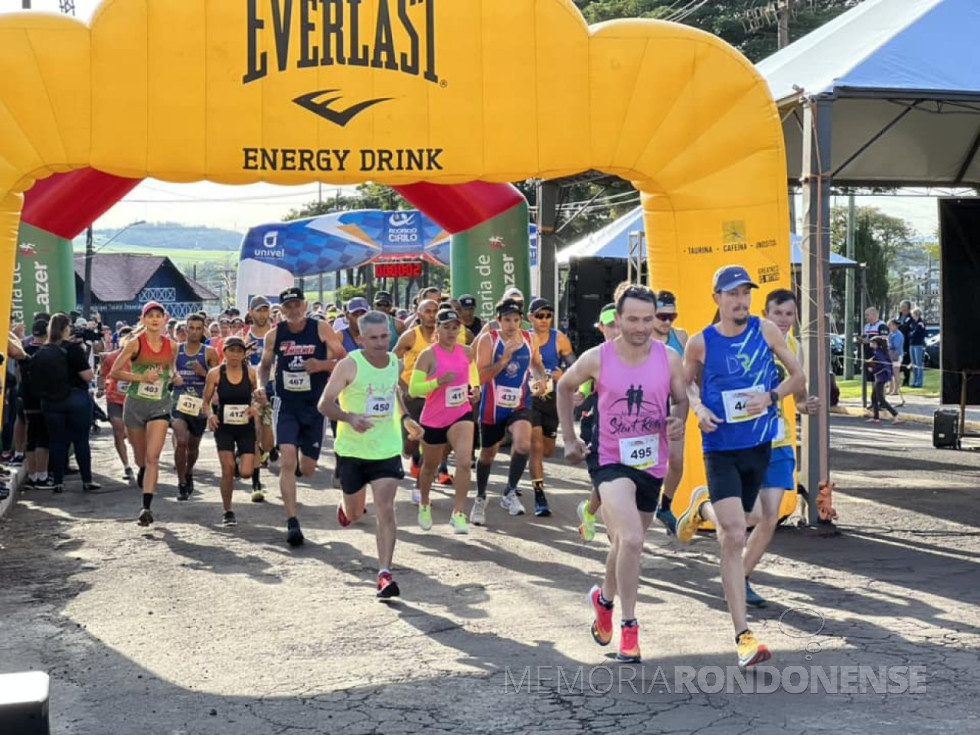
640	452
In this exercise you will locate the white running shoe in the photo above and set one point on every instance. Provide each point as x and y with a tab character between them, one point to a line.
478	516
511	504
416	496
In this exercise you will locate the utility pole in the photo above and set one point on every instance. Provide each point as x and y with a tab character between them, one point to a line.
849	293
782	13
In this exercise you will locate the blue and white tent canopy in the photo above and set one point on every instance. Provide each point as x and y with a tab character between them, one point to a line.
904	80
612	241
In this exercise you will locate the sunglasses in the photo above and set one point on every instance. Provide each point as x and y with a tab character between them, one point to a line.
543	315
667	317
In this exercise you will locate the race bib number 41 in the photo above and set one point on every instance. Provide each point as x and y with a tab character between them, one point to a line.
735	404
640	452
455	396
296	381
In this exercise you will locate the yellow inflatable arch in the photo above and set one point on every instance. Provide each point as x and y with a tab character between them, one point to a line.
402	91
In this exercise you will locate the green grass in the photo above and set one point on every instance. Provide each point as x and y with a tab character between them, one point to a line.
930	387
179	256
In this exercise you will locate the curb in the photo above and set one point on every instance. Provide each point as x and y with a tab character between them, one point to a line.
16	481
910	418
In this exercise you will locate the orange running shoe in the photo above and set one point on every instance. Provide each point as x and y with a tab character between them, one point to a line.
602	626
629	644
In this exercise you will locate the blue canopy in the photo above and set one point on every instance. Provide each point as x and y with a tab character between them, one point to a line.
612	241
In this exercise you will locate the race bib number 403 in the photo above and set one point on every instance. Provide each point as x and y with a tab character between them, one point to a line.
152	391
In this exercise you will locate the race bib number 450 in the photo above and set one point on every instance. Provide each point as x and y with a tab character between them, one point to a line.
379	407
735	403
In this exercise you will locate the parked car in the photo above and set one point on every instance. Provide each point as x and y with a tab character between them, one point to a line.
931	359
837	354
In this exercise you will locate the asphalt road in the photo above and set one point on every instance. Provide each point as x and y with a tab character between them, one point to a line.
190	628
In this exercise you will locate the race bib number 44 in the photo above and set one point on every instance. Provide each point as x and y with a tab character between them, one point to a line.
640	452
296	381
735	402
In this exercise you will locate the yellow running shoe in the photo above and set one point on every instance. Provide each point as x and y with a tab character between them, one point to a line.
750	650
687	524
586	528
425	517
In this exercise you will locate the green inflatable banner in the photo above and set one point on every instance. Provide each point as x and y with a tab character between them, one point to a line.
490	258
44	275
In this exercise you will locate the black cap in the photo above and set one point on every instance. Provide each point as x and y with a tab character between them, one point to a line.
382	296
235	341
39	328
467	301
291	294
883	330
509	306
447	315
539	304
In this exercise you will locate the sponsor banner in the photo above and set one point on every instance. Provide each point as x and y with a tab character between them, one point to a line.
491	257
44	275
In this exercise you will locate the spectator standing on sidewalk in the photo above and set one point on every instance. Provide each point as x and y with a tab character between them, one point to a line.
896	352
917	347
905	320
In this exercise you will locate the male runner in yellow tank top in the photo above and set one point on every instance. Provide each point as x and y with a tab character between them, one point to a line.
362	396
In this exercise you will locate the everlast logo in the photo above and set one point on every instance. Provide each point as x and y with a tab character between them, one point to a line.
340	33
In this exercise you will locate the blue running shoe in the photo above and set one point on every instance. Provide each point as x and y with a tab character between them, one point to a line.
667	518
752	599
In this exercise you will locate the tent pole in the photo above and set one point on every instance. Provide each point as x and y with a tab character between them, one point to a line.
815	281
849	293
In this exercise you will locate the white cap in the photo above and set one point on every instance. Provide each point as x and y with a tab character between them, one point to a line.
513	293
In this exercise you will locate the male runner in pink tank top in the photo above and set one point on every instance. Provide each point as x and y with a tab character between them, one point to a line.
635	375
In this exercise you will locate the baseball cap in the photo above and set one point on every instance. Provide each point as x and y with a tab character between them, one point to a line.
467	301
514	293
509	306
381	297
39	328
607	315
447	315
150	306
402	314
358	303
258	302
732	276
291	294
81	323
235	341
539	304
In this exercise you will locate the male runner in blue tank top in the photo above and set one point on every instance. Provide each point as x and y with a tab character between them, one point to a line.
187	415
731	376
299	348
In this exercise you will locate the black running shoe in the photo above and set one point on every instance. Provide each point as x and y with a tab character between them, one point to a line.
189	484
294	536
145	518
182	492
46	484
90	486
541	504
229	519
387	587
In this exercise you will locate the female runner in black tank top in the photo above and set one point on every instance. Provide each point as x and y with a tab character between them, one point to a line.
232	383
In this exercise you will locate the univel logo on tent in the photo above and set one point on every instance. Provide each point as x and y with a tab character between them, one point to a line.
330	34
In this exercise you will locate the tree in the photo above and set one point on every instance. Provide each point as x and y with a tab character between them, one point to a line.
878	239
